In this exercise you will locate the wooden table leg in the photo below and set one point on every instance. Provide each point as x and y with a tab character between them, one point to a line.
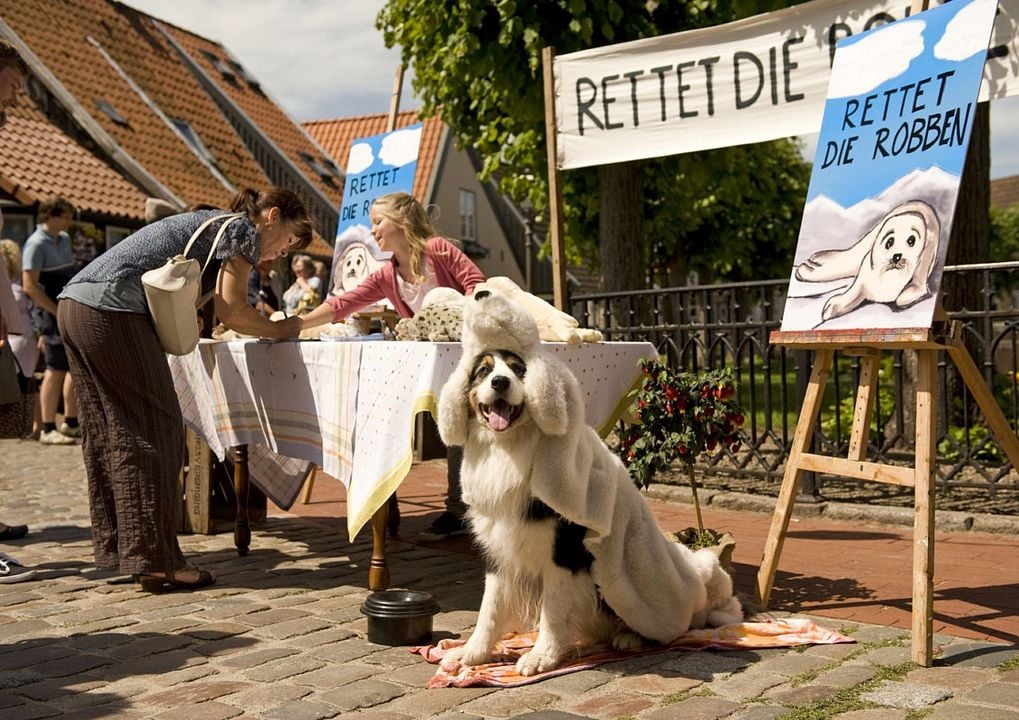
378	571
242	527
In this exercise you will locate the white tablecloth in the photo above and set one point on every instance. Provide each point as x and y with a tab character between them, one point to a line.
349	406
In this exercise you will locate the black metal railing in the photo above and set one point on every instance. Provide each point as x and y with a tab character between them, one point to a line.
709	326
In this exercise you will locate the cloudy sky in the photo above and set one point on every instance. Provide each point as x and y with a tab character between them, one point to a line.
324	58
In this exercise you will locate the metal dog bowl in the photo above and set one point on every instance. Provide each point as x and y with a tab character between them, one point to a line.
399	617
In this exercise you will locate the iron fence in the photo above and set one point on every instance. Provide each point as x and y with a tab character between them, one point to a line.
697	328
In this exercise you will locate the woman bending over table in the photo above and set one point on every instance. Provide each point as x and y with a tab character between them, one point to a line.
132	427
421	261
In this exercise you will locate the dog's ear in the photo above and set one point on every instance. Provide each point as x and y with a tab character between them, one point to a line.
918	287
552	396
454	408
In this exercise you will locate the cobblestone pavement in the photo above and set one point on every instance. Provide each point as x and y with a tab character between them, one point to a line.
281	636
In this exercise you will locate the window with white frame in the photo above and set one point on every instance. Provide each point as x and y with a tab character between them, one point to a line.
18	227
468	216
115	234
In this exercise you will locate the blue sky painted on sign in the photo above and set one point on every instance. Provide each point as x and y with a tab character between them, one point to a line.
901	98
378	165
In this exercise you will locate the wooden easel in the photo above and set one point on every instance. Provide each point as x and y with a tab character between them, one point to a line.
927	343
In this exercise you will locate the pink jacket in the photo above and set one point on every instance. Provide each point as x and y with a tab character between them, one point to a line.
451	267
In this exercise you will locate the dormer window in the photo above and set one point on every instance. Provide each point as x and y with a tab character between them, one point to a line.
324	169
242	73
193	139
111	112
221	67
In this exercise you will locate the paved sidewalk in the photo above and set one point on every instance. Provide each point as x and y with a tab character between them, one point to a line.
281	636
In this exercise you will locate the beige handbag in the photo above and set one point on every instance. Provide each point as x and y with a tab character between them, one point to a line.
172	292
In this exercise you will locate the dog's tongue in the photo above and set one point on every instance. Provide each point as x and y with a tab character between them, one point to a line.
499	417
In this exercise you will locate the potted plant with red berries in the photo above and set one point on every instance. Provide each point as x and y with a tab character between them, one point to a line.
679	417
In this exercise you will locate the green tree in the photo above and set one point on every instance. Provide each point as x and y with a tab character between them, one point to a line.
477	63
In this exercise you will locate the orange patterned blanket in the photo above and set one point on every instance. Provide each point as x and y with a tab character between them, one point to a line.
788	632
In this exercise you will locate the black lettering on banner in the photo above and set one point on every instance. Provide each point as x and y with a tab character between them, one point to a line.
773	63
881	18
682	87
660	72
737	58
584	106
836	32
787	68
709	64
632	77
366	208
606	101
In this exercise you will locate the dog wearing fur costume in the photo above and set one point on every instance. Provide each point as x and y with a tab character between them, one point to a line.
571	547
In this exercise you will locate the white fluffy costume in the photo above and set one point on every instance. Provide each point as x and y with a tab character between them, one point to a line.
659	589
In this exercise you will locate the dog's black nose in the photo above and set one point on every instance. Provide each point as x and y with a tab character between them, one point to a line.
500	383
481	294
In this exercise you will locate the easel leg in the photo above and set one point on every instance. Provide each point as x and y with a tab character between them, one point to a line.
923	510
1003	432
378	572
791	480
865	394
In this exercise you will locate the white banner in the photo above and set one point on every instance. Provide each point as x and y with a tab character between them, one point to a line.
756	79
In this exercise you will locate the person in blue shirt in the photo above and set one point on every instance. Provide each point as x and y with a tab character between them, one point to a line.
47	265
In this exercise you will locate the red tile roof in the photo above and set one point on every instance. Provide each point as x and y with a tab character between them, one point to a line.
38	161
102	51
247	94
336	135
1005	191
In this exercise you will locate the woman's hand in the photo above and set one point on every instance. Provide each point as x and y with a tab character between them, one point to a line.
287	328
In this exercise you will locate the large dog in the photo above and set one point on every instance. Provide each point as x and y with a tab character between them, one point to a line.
891	263
572	549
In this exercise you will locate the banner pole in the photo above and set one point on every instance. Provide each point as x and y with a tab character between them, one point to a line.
555	190
394	103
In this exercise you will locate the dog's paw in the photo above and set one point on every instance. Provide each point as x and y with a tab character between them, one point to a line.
727	613
535	661
465	655
626	640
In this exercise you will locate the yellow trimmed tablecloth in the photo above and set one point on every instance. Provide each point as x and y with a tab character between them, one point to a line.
349	407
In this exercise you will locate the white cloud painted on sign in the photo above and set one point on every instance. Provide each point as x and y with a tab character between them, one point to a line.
361	158
959	41
400	147
876	59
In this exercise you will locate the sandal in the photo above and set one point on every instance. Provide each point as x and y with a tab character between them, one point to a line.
171	582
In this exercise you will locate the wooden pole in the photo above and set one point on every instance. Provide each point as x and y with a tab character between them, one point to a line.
555	190
394	102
